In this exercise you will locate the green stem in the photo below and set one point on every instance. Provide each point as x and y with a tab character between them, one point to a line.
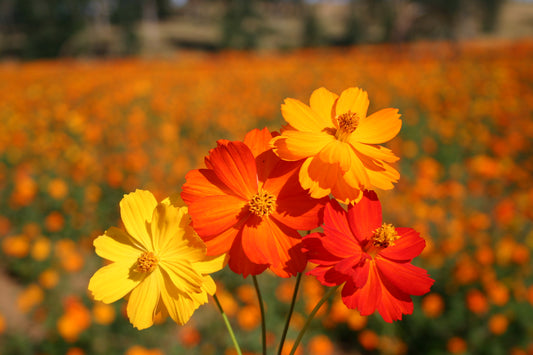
261	307
289	315
228	325
310	317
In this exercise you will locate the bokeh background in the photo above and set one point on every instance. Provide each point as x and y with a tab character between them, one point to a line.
100	97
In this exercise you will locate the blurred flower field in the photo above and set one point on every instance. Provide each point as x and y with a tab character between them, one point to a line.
77	135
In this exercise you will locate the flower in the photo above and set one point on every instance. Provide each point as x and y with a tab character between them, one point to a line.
159	261
339	144
248	203
371	258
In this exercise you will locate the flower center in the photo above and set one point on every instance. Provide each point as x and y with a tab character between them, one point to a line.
262	204
146	262
384	236
348	123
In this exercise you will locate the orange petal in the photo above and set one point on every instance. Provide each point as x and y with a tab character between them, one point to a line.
337	152
322	101
380	127
301	117
296	145
234	165
258	140
375	151
354	100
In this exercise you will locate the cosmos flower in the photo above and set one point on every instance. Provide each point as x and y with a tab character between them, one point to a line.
249	203
339	143
372	259
158	261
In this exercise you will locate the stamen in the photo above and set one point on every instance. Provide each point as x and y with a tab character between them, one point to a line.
385	236
146	262
348	123
262	204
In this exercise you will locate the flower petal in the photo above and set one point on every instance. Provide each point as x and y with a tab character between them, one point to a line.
117	245
354	100
221	243
405	277
376	152
267	242
112	282
365	216
407	247
313	246
182	274
240	263
296	145
337	152
136	210
180	305
234	165
258	141
143	301
382	176
212	215
211	264
338	237
201	183
380	127
322	101
308	182
327	276
302	117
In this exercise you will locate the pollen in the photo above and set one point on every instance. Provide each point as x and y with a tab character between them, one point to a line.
146	262
385	236
262	204
348	123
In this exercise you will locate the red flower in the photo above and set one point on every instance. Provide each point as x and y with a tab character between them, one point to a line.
249	203
371	258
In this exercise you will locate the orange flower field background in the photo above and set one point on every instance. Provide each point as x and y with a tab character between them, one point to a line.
77	135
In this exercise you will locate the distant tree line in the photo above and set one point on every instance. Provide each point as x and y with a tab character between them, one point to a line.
49	28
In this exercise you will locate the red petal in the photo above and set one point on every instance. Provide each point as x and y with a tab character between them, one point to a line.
407	247
200	183
366	298
327	276
365	216
316	252
234	165
220	243
406	277
240	263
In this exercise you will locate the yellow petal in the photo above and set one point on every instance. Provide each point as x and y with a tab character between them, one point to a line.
296	145
301	117
143	302
114	281
375	152
182	274
380	127
180	305
310	183
117	245
354	100
166	229
209	285
211	264
345	193
136	210
322	101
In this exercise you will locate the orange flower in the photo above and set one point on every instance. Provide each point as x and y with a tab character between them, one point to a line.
339	144
248	203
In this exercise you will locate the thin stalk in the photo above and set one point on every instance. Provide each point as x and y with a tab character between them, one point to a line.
261	307
310	317
228	325
289	315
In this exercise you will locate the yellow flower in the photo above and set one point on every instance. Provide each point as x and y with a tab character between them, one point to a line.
159	261
339	143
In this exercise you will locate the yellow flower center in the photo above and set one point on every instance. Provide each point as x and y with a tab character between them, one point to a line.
348	123
384	236
146	262
262	204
